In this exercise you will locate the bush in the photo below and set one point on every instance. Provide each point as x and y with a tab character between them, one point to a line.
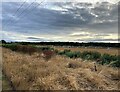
26	49
69	54
95	55
113	60
115	63
48	54
85	55
77	54
10	46
73	54
106	58
56	51
90	55
45	48
64	52
3	42
21	48
60	53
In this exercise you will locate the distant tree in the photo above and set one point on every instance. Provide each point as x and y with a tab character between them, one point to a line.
3	41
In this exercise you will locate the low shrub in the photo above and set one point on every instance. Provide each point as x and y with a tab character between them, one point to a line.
21	48
13	47
77	54
90	55
47	54
66	50
63	52
106	58
95	55
45	48
56	51
60	53
85	55
26	49
70	54
115	63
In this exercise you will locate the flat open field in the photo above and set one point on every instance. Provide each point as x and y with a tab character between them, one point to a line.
33	72
112	51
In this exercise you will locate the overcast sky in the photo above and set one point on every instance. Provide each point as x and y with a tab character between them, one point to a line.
60	21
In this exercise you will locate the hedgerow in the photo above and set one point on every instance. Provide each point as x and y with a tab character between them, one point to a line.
63	52
105	59
21	48
70	54
90	55
13	47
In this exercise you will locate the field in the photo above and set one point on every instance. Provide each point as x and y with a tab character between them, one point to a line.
69	45
102	50
34	72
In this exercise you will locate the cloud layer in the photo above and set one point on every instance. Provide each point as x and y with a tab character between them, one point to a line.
60	21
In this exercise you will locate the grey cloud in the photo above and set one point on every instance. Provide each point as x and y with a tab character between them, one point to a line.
105	12
97	40
91	34
49	18
33	38
43	20
37	39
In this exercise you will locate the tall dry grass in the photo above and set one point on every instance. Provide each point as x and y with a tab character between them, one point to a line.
111	51
33	73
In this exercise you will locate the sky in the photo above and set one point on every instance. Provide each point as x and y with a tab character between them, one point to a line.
78	21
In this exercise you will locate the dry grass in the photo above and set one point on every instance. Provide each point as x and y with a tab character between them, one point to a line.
33	73
112	51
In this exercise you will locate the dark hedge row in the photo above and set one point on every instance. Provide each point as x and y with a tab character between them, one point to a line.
94	44
27	48
21	48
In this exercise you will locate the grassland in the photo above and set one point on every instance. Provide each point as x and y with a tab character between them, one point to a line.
5	84
33	72
102	50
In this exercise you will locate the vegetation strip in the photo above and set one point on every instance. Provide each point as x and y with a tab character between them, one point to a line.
75	44
105	59
9	81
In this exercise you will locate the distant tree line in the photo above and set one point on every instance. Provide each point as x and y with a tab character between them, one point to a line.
93	44
3	41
